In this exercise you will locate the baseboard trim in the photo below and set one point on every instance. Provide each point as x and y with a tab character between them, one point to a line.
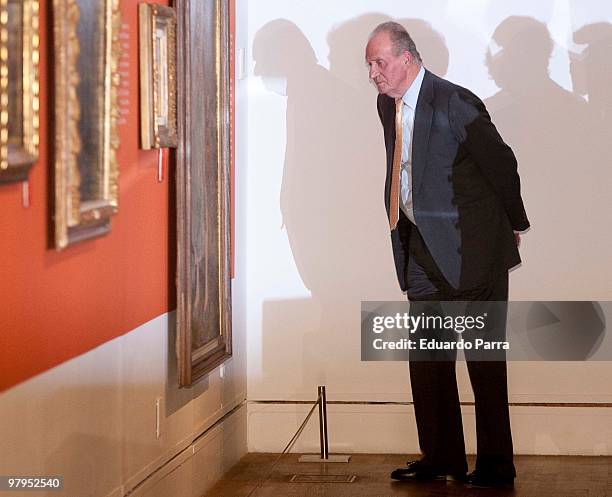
182	451
606	405
539	428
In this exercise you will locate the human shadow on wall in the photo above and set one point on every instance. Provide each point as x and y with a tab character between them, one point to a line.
320	193
548	129
430	43
591	72
315	199
331	196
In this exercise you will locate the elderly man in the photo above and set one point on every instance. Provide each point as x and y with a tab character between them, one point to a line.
452	194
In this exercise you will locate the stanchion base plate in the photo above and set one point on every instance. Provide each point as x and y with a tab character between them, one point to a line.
317	458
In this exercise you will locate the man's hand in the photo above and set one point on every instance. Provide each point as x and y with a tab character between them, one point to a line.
517	237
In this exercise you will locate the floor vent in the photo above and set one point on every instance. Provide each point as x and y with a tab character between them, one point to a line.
302	478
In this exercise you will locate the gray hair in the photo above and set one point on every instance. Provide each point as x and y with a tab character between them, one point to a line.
402	42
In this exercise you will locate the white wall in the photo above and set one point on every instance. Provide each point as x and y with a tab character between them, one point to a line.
317	241
93	419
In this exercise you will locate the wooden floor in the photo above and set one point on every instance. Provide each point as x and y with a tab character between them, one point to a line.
538	476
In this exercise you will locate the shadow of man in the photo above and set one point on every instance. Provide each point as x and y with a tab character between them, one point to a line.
547	127
321	201
315	192
431	43
591	72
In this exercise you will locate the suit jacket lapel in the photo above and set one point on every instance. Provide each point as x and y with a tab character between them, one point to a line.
420	135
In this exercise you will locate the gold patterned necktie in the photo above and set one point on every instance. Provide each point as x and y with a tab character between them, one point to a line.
395	172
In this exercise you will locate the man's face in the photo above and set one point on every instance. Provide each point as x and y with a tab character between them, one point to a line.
388	71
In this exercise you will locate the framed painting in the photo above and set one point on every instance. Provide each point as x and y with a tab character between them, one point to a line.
19	88
157	34
204	328
86	80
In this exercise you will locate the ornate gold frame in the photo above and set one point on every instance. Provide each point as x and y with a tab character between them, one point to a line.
204	316
77	220
157	76
19	153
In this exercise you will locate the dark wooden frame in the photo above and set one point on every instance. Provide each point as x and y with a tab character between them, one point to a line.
203	187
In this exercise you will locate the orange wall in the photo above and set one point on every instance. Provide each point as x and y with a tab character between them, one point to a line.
57	305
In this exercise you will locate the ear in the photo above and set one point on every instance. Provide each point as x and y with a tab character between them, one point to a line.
407	58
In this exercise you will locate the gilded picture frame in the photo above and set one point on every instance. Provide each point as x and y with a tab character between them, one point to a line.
157	36
204	326
86	80
19	88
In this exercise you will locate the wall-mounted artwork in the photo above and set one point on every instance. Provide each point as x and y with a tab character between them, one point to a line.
157	34
86	80
204	326
19	88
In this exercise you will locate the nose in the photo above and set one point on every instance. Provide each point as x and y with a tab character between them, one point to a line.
373	72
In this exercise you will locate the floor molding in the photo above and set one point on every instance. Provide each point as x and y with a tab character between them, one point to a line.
199	441
538	428
606	405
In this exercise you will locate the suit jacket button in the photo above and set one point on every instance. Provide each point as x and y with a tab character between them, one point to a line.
459	250
449	178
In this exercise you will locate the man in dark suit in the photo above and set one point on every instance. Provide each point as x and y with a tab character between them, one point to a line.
452	194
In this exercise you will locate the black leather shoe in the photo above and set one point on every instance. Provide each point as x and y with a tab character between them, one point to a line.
421	471
481	479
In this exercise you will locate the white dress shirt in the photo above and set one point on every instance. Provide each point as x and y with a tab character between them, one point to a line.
409	106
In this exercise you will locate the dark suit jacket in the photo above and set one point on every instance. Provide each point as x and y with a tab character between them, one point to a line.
466	189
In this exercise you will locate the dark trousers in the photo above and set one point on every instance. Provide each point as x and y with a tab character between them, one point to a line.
434	384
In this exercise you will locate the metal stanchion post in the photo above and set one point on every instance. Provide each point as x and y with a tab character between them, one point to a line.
323	424
324	456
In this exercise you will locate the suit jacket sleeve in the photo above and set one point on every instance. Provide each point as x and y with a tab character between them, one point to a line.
474	130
